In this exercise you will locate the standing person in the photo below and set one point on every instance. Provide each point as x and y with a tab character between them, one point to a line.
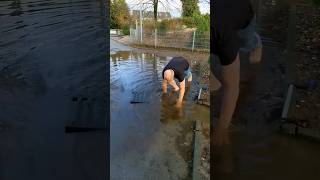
234	24
179	68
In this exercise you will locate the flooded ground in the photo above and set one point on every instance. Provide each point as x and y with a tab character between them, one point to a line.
150	140
52	74
258	150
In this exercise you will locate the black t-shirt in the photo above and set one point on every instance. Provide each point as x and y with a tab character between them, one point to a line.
178	65
229	16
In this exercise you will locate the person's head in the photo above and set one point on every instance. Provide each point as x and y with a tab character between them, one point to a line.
168	75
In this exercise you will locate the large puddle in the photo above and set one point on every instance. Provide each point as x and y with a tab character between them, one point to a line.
150	140
52	74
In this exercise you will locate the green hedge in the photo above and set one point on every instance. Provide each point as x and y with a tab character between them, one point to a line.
201	22
126	30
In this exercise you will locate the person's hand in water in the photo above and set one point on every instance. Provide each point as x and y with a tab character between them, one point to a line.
164	96
178	104
176	89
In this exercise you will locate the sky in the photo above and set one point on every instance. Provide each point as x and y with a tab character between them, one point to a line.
172	6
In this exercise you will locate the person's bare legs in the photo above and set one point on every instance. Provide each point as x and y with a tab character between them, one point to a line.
230	84
214	82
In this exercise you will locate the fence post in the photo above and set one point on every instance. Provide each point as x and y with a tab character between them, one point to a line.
140	25
155	38
130	33
194	35
136	31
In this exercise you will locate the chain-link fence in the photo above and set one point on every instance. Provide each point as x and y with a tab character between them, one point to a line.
190	39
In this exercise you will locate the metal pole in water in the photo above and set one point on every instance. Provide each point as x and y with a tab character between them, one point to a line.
199	95
196	151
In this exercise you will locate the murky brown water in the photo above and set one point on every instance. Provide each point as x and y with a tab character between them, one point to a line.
151	139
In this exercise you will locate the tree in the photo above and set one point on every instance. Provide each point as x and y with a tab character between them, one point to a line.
153	4
190	8
119	14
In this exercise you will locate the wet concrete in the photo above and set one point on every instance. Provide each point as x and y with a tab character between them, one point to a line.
151	140
52	52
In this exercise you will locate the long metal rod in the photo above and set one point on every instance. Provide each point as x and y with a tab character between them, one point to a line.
196	151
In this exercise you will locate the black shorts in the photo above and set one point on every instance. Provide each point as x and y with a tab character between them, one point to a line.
227	44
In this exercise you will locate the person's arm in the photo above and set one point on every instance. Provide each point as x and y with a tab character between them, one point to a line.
181	94
164	86
174	85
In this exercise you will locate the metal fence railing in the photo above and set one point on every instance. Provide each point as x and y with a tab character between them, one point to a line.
191	40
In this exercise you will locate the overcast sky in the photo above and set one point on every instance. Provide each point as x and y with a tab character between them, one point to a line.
174	6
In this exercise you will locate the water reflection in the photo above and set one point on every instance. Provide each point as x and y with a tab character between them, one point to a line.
169	112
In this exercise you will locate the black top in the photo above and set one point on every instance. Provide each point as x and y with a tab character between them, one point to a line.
229	16
178	65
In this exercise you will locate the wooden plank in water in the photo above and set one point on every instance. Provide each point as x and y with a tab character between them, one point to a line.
74	129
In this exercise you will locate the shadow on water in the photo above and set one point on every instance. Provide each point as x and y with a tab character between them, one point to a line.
52	74
154	134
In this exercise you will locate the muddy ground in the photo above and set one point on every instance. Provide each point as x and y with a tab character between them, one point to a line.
307	106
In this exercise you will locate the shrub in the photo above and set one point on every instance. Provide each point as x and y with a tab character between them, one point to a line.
201	22
163	26
126	30
169	25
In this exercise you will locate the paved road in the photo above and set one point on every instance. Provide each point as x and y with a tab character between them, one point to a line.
117	46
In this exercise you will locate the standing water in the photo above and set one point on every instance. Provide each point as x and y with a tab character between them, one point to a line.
52	75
